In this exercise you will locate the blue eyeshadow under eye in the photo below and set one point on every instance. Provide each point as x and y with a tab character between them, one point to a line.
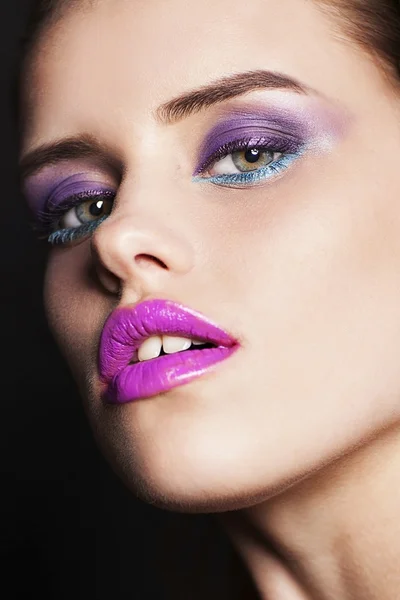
251	177
65	236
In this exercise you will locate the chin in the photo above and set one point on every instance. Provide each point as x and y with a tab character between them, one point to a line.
189	496
189	474
198	495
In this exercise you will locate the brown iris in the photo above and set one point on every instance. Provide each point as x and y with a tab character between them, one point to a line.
252	159
93	210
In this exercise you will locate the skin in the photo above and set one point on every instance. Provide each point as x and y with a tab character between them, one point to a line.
295	439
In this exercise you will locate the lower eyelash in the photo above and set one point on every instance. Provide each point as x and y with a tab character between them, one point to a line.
65	236
249	177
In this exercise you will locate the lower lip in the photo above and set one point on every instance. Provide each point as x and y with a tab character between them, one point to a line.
152	377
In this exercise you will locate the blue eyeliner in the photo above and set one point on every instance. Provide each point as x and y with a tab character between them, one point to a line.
251	177
71	234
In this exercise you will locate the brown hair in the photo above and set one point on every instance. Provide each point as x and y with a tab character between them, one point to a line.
373	24
43	14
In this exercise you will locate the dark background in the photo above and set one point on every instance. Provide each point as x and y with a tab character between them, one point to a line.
68	527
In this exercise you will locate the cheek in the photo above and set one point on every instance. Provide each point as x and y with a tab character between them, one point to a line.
74	307
319	277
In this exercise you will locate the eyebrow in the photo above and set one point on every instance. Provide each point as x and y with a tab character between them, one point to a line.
76	147
219	90
224	89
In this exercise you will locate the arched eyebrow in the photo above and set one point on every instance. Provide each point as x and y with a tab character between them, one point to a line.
219	90
224	89
71	148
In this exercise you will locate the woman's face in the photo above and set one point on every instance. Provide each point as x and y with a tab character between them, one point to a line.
274	212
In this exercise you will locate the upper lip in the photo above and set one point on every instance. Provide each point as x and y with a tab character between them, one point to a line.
128	327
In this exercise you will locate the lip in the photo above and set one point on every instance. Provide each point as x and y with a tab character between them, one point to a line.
128	327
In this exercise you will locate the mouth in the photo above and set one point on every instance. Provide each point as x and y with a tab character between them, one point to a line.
156	346
164	345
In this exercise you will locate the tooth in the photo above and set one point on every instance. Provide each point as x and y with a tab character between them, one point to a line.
175	344
150	348
197	342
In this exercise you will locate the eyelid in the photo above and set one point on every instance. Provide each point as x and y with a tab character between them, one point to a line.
51	216
58	183
285	144
52	208
246	123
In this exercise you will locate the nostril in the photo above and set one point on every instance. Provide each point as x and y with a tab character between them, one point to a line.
100	275
144	260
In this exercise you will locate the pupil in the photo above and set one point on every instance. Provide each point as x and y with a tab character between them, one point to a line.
96	208
252	155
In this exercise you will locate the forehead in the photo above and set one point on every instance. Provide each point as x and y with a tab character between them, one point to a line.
120	59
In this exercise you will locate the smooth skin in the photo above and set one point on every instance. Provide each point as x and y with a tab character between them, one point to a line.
298	432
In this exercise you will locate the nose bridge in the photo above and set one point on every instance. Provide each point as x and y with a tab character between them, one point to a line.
144	240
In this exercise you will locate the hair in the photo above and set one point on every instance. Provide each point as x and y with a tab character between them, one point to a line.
42	13
373	24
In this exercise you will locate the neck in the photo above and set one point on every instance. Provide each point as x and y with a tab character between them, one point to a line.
333	535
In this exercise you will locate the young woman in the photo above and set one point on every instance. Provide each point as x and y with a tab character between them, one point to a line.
219	185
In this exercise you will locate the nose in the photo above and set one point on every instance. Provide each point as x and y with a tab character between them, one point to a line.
136	252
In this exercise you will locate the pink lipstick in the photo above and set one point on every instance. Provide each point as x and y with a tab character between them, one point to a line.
129	378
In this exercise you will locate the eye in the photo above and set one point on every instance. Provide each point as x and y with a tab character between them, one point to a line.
86	212
244	161
247	162
77	216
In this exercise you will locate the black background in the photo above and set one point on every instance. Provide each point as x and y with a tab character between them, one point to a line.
68	527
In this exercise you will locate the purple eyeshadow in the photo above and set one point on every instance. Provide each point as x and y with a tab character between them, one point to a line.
253	125
44	193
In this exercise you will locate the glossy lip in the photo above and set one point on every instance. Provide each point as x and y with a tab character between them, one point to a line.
128	327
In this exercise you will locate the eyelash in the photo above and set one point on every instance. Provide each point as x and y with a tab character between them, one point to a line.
288	146
49	219
290	149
